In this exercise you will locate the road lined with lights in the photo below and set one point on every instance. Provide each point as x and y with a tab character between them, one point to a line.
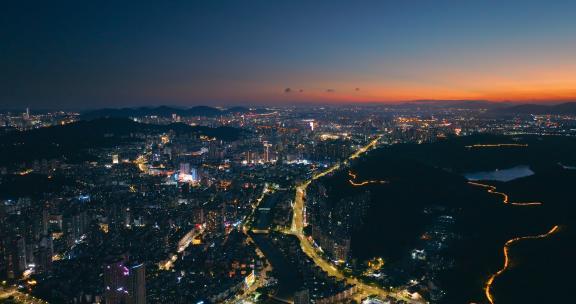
363	183
505	199
297	229
489	283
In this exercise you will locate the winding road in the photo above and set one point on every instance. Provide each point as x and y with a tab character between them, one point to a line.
505	197
353	177
488	286
506	200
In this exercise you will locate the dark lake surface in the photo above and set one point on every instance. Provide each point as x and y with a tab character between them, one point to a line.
501	175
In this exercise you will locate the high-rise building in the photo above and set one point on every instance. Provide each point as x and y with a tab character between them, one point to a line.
21	253
124	284
115	282
45	221
127	217
13	250
249	157
137	284
214	221
44	254
266	151
184	168
302	297
76	227
194	176
198	215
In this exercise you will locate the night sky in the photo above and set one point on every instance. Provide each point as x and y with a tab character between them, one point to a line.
90	54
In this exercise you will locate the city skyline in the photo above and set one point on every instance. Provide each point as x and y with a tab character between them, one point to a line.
295	151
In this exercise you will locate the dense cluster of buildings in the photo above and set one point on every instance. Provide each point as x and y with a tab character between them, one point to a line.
169	217
27	120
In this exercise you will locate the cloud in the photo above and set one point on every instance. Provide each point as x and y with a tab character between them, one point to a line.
330	90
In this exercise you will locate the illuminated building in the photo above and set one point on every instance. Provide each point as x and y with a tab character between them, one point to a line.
14	256
214	221
184	168
124	284
115	282
249	157
137	284
115	158
195	176
266	151
76	227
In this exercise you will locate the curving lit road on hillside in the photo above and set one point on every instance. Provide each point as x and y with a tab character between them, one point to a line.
490	282
506	200
353	177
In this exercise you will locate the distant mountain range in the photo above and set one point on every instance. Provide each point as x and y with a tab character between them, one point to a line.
71	140
496	108
568	108
453	104
165	111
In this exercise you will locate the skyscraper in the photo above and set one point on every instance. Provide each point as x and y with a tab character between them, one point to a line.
266	151
124	284
137	284
115	282
184	168
20	246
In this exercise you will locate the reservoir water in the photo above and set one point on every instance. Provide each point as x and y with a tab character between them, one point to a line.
501	175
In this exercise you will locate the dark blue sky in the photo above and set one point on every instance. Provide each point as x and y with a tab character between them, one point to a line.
106	53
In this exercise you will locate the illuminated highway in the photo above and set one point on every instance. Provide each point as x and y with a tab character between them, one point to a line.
488	287
297	229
